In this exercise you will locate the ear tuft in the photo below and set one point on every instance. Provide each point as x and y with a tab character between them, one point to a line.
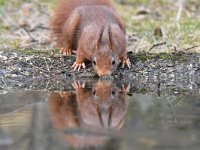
99	41
110	37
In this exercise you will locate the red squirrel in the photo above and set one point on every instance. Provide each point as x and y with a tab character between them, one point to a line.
95	30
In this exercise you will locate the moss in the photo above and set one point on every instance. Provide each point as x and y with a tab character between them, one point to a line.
27	51
13	43
56	51
173	57
31	52
142	91
164	56
143	58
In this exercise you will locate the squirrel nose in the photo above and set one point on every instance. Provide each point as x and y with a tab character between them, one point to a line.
104	73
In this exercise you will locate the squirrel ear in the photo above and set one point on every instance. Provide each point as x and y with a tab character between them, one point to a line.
110	37
98	43
99	39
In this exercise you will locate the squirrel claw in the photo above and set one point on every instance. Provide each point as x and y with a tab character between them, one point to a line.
126	62
78	85
78	66
66	51
62	93
126	89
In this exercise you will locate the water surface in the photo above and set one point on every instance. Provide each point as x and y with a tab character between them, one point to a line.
100	115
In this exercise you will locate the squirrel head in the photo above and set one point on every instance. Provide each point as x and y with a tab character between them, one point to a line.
105	62
106	57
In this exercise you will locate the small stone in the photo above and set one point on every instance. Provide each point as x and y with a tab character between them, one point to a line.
170	64
11	76
3	58
176	92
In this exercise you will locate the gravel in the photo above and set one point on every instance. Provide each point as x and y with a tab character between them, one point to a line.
54	72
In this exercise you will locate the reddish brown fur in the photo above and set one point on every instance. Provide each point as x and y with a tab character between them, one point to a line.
62	13
96	109
94	29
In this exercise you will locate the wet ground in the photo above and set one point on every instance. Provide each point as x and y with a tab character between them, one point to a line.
53	72
101	114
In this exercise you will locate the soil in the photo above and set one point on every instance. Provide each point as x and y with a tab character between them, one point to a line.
53	72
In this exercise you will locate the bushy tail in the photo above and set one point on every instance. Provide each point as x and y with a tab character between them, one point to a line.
64	9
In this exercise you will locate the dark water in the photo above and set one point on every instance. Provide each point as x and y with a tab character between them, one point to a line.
100	115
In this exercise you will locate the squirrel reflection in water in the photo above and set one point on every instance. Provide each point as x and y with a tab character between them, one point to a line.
100	108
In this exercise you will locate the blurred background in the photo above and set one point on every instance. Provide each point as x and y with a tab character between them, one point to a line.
171	24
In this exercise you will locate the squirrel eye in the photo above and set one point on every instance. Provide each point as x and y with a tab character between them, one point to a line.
113	62
94	93
113	93
94	62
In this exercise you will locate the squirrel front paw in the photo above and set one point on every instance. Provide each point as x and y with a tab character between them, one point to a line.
78	85
78	66
66	51
126	62
126	89
65	94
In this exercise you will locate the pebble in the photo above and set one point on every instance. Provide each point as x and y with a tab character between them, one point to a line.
3	58
11	76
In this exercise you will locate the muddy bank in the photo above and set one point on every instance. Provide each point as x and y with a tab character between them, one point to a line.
148	71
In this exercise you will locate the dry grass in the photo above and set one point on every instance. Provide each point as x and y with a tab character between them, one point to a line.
177	22
152	25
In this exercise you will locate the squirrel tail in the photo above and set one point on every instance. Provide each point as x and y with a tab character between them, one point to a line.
63	11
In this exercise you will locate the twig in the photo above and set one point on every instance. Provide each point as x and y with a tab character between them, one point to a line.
156	45
191	48
28	33
43	70
46	64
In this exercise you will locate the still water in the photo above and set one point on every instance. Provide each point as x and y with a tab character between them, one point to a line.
100	115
